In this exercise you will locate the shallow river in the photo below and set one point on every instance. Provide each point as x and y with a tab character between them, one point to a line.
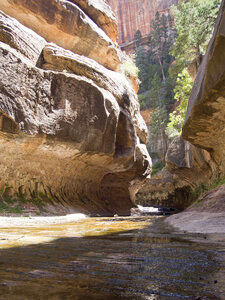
110	258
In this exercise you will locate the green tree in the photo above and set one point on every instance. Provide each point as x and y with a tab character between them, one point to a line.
182	92
158	122
141	61
194	23
157	92
137	38
160	40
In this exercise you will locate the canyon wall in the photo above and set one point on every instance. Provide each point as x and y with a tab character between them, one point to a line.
71	132
205	120
195	162
136	14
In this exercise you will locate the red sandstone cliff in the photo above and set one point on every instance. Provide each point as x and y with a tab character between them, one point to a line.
136	14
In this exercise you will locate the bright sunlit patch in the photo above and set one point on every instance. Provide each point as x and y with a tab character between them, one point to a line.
25	231
76	217
148	209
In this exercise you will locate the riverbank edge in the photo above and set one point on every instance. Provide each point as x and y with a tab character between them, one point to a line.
206	215
198	222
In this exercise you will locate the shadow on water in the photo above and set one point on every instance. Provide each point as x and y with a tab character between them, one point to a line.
150	263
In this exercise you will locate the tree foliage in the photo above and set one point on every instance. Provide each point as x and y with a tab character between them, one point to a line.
153	61
194	23
163	63
158	122
182	92
137	38
155	58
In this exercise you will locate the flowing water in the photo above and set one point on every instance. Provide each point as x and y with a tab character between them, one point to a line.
110	258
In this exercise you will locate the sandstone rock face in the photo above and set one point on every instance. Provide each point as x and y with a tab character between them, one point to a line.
188	167
205	120
64	23
137	14
200	159
70	129
161	191
100	13
213	201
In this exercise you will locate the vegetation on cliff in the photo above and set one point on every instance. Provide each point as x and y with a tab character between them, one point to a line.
172	46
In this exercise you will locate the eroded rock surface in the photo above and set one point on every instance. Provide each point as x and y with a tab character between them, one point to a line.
100	13
67	25
196	161
71	130
205	120
189	169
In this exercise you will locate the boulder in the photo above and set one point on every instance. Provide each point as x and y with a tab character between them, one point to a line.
161	191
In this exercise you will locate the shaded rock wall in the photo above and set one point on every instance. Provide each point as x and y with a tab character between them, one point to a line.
205	120
187	168
137	14
70	129
196	160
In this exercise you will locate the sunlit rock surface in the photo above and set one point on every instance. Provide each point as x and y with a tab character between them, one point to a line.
137	14
71	130
64	23
100	13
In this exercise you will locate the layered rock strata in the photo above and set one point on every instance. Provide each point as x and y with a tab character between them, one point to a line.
66	24
100	13
70	129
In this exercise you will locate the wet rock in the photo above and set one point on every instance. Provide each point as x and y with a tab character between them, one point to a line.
152	211
213	201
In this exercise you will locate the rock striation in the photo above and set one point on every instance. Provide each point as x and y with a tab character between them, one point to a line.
137	14
64	23
71	133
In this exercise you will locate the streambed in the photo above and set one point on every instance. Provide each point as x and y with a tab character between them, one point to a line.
109	258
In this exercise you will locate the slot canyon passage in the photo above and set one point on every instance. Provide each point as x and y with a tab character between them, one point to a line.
85	212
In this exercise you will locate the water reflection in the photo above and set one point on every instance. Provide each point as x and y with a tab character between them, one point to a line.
116	258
